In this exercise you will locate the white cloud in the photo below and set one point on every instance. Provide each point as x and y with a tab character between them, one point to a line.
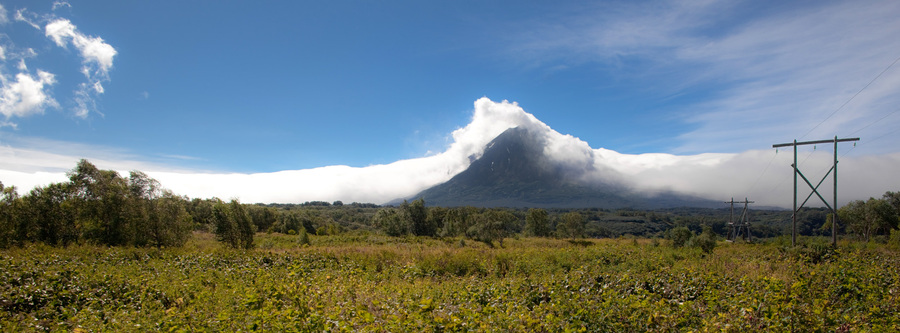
758	174
765	72
26	95
3	18
97	55
84	101
20	16
60	4
377	183
97	58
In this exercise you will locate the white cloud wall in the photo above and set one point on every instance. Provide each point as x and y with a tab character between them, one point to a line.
761	175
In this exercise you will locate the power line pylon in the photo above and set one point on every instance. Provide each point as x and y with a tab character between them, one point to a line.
740	228
815	189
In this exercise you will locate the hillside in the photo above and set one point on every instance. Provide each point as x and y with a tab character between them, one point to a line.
513	171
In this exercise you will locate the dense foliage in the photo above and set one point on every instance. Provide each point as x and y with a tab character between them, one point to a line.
96	206
378	283
101	207
180	264
873	216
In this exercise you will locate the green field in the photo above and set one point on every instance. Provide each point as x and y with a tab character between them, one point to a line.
380	283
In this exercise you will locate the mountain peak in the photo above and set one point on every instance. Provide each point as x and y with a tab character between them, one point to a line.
515	170
514	155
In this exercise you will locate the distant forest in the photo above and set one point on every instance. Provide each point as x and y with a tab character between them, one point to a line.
102	207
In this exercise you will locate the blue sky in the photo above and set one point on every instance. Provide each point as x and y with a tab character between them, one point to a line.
260	87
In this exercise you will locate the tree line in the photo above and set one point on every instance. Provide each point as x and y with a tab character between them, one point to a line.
101	207
873	217
98	206
486	225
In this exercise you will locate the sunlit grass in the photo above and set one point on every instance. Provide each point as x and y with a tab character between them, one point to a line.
370	282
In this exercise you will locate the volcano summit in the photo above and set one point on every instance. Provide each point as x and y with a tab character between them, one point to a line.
516	170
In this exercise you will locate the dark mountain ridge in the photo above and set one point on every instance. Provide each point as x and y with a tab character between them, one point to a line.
513	171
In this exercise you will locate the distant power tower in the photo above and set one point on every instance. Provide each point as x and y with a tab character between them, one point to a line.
741	227
815	189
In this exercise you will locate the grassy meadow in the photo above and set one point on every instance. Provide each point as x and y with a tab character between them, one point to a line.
374	283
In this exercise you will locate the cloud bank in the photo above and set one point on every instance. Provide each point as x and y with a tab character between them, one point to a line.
761	175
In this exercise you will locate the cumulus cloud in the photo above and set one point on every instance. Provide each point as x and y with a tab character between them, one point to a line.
761	175
25	95
22	94
96	55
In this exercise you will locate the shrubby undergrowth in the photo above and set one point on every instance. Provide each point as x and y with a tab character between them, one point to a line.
379	283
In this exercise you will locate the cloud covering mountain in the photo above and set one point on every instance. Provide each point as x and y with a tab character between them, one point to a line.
763	175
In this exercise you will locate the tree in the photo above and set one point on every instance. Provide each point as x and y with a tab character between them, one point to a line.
99	199
141	212
706	240
867	218
457	221
289	222
304	237
245	228
169	224
893	200
390	221
490	226
50	216
10	205
263	217
680	236
572	224
417	218
97	206
201	212
226	228
537	222
436	217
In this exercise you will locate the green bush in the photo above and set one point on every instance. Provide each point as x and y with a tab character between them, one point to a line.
680	236
304	237
894	240
706	240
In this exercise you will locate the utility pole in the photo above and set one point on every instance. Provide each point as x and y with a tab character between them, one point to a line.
815	189
743	224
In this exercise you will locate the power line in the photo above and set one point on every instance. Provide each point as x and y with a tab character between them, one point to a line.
851	98
763	172
872	140
875	122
